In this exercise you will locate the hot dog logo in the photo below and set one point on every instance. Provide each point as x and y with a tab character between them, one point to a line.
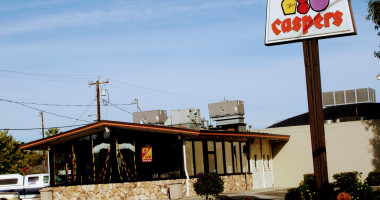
305	21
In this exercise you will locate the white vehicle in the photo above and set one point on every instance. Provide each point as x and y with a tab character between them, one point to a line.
22	187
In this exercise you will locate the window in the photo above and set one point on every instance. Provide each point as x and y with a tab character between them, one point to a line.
189	158
46	179
244	154
211	156
32	180
268	161
236	156
255	156
8	181
228	154
198	149
219	157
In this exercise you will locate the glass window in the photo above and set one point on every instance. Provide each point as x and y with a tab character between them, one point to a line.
236	157
199	165
8	181
219	157
32	180
101	148
125	157
210	145
189	158
46	179
228	153
62	165
211	162
244	154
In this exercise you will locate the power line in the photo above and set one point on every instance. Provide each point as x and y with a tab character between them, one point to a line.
62	105
27	129
167	93
44	111
81	77
88	107
120	108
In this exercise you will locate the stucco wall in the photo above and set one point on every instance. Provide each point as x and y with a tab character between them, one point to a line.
140	190
351	146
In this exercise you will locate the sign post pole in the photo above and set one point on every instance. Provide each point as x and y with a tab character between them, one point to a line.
316	115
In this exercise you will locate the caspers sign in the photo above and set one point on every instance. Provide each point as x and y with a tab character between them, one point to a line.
294	20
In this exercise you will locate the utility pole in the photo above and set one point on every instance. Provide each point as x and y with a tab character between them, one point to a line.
137	104
43	128
97	83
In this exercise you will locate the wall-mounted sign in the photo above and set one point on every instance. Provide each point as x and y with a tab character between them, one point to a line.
146	154
294	20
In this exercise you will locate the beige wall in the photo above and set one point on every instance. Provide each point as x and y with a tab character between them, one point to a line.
351	146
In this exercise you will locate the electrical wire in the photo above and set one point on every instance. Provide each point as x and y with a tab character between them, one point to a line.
120	108
88	107
26	129
10	101
161	92
78	77
62	105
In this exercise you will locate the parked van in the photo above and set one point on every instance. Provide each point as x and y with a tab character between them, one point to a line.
27	187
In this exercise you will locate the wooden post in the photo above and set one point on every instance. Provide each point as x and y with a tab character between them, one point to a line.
316	116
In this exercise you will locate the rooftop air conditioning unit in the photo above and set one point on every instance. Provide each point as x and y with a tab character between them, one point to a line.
150	117
362	95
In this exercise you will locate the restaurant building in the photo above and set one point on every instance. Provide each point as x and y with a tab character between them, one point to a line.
158	157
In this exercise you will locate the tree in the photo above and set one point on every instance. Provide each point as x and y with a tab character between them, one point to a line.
52	131
374	16
11	157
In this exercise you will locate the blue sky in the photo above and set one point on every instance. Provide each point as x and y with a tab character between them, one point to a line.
167	54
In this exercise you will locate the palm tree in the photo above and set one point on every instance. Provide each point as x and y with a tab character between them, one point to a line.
52	131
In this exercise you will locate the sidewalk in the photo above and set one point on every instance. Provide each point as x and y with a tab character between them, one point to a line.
259	194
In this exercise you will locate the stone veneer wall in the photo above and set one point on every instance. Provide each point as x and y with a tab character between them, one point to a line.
141	190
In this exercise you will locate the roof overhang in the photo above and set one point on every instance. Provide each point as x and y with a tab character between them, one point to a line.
43	144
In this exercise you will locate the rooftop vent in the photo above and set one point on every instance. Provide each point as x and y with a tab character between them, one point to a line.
188	118
157	117
362	95
228	115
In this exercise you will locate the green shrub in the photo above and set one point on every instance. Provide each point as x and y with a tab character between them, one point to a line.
306	191
208	184
345	180
376	194
293	194
309	179
373	178
361	191
349	182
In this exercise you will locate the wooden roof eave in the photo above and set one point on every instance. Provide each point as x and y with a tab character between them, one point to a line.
43	144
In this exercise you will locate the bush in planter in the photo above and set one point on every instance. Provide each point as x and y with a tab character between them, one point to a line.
373	178
208	184
305	191
349	182
293	194
345	180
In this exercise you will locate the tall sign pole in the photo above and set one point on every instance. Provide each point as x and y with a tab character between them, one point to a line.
306	20
316	116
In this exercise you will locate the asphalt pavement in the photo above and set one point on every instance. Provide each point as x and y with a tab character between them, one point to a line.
259	194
